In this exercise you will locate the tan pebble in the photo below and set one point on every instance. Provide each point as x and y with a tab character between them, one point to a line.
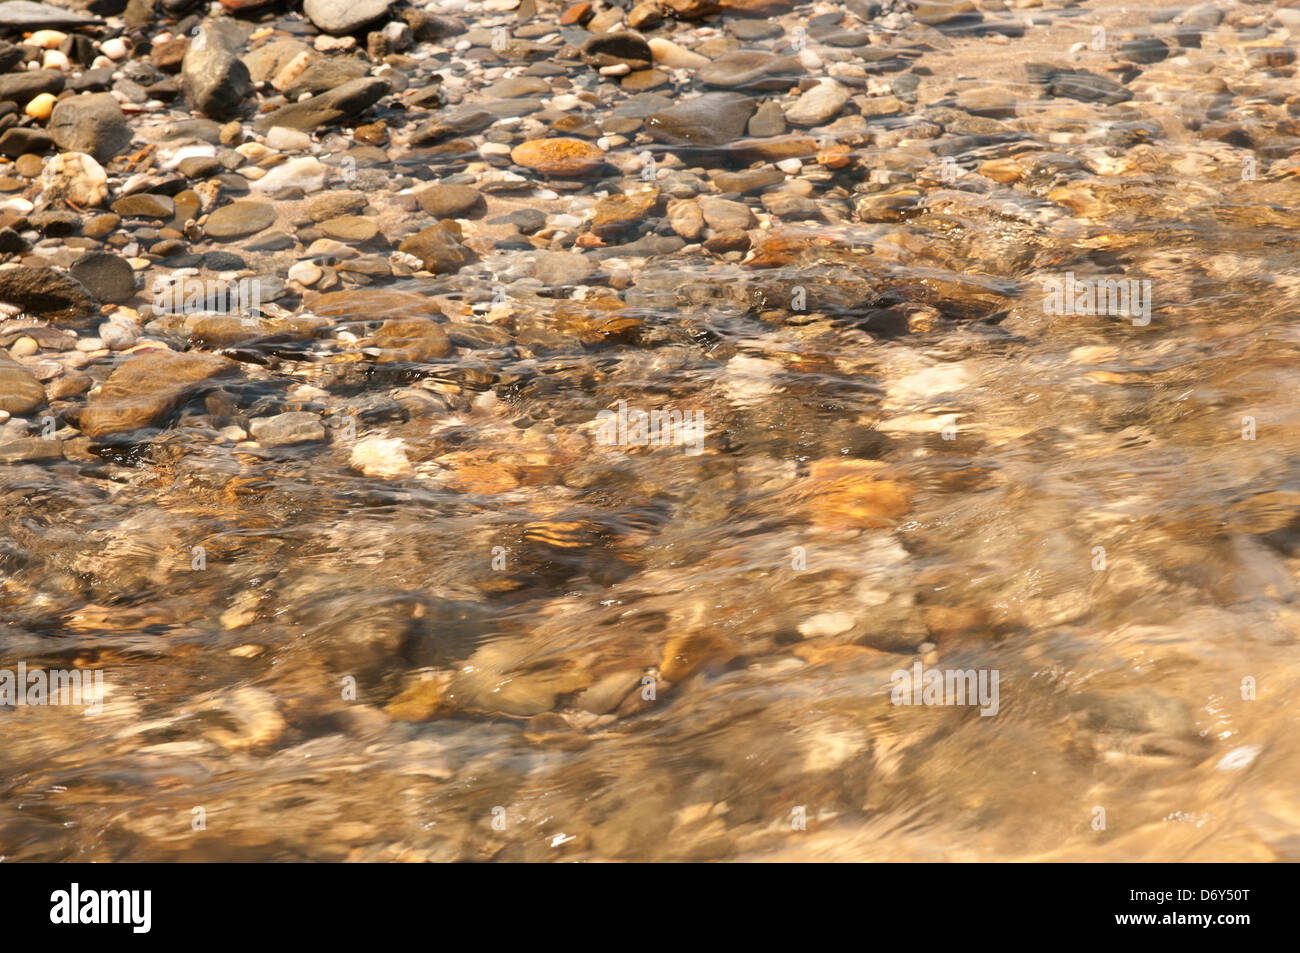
47	39
668	53
40	107
561	156
254	151
24	347
292	70
305	273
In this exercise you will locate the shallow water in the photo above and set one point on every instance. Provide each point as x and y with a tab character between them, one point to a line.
528	645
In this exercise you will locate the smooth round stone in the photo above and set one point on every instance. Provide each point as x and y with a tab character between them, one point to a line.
559	157
449	201
239	219
187	207
200	167
145	205
644	79
710	120
97	226
349	228
527	220
624	48
283	139
29	165
753	29
109	278
818	105
344	17
752	70
306	273
333	204
171	248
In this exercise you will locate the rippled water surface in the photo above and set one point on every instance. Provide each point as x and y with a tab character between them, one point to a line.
499	636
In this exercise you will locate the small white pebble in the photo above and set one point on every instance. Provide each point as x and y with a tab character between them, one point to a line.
114	49
283	139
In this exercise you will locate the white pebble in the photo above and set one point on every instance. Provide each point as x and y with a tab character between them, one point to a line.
305	273
287	140
114	49
566	102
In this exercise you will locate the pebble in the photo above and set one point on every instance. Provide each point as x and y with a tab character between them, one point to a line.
287	140
90	123
240	219
708	120
559	157
20	391
668	54
304	172
106	276
287	429
381	457
306	273
818	105
40	107
146	388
